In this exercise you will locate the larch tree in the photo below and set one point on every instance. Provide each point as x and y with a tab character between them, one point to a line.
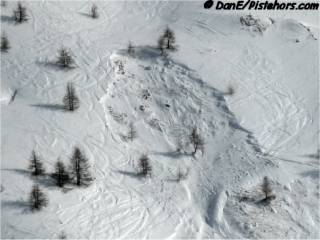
62	235
60	175
3	3
5	45
132	133
266	188
130	49
70	100
20	13
37	198
169	39
79	168
65	59
35	165
144	166
94	11
196	141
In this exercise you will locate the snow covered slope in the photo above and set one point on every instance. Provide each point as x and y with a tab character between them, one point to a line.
267	128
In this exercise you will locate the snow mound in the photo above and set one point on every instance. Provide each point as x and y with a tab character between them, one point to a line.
259	24
293	30
6	95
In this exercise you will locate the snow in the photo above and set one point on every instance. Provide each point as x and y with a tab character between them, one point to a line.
6	94
268	127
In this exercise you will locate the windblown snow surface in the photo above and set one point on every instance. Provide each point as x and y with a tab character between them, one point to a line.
269	127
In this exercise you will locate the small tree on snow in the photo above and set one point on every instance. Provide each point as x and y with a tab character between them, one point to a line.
20	14
196	141
60	174
70	100
144	165
94	11
5	46
37	199
80	168
62	235
130	49
169	39
266	188
230	91
132	133
36	165
3	3
65	59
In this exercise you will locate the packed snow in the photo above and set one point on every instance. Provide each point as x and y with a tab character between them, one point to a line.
267	127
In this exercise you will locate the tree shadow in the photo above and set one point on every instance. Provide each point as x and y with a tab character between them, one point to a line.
86	14
147	52
51	107
46	181
17	204
131	174
54	65
7	19
315	174
175	179
14	204
173	154
23	172
266	201
312	155
143	52
227	93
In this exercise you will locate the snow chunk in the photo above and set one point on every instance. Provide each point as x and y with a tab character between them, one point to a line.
256	24
6	95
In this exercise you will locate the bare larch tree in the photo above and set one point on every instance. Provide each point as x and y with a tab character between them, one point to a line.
79	168
65	59
130	49
62	235
3	3
60	175
266	188
94	11
5	46
169	39
35	165
70	100
196	141
37	198
132	133
230	91
20	14
144	166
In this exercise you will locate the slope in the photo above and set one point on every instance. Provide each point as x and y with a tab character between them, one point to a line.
163	98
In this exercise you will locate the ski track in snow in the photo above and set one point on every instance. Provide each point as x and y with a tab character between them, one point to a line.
285	117
115	205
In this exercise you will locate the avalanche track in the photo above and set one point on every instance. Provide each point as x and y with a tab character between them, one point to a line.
163	98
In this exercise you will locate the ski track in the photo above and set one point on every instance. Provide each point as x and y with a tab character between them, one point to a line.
112	197
256	74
